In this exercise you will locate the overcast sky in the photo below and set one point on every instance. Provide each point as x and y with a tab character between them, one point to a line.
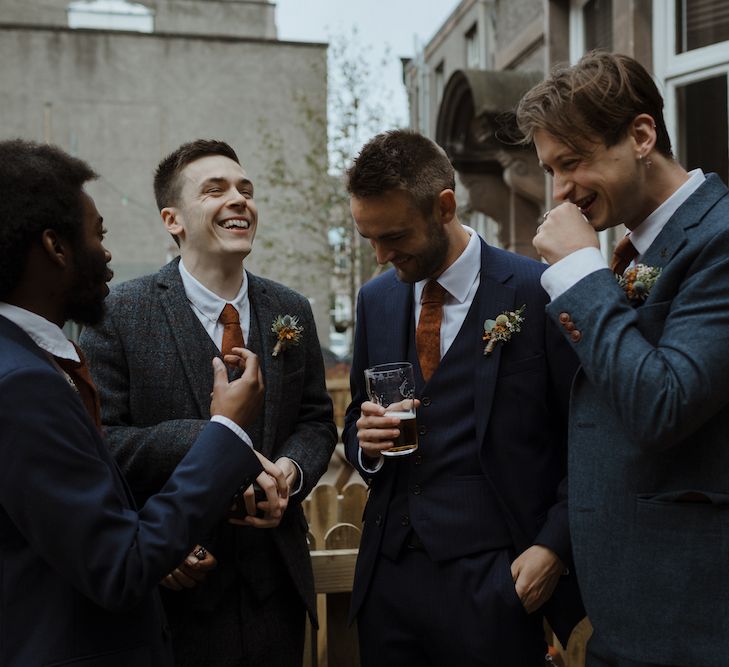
399	24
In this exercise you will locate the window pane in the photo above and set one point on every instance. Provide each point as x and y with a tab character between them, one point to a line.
703	135
598	17
701	23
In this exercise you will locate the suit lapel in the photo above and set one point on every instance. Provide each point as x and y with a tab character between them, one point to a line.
494	298
264	309
194	347
396	316
673	235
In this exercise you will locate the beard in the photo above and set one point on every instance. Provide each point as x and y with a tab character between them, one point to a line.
431	260
86	301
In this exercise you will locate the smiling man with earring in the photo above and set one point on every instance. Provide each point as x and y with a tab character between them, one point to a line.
649	487
146	358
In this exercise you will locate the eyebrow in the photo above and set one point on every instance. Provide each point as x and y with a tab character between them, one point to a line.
219	180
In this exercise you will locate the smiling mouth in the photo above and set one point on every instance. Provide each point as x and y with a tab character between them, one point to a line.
234	224
585	203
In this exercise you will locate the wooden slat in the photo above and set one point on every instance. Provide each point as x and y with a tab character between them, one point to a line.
333	570
322	511
352	504
342	536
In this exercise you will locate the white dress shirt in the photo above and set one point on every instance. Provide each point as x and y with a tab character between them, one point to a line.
207	307
50	337
568	271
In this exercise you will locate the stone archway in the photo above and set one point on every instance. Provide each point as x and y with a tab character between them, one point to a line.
503	180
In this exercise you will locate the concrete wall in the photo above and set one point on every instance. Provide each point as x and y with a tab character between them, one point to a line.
238	18
124	100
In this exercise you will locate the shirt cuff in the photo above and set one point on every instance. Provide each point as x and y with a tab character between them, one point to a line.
233	427
569	270
378	465
301	475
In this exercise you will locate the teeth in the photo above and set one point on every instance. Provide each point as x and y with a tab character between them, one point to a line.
235	224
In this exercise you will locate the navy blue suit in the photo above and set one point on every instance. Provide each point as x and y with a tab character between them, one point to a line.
488	478
79	565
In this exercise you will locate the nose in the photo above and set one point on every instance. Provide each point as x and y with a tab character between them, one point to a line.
382	254
237	198
561	187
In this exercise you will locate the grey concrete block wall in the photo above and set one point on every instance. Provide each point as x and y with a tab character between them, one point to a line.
124	100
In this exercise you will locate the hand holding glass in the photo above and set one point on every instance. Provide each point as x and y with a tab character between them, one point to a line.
392	386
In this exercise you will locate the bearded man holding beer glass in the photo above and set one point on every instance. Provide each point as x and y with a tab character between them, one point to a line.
465	544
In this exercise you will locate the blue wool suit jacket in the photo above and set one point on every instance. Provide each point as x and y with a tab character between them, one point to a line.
520	395
79	565
649	454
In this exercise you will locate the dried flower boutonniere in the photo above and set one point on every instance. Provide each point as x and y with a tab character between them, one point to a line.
288	332
638	281
502	328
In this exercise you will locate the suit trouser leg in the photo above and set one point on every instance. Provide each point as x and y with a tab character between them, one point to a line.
461	612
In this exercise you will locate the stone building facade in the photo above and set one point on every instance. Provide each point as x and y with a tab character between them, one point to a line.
123	99
488	52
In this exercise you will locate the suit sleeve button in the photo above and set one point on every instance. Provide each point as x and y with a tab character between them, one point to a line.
564	317
417	490
570	326
425	401
378	520
576	336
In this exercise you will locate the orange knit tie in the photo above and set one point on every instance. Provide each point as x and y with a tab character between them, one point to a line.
625	252
232	333
427	335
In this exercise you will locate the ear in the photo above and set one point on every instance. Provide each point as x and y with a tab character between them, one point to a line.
447	206
643	132
170	220
56	248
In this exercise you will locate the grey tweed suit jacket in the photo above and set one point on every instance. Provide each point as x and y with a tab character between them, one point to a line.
649	445
151	360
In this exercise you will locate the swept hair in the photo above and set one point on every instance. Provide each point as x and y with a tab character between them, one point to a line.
167	184
402	160
594	100
40	188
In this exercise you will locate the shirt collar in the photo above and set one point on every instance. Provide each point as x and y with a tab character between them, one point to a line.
207	302
45	334
459	277
647	231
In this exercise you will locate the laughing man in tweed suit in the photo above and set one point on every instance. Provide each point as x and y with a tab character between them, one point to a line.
649	411
150	360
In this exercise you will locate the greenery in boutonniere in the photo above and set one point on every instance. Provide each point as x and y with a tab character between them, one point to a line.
638	281
288	332
502	328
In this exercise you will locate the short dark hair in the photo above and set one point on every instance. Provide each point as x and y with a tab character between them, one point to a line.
40	188
166	182
598	97
402	160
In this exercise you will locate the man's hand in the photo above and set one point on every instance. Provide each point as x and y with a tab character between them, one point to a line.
536	573
290	471
240	400
192	571
272	482
564	231
375	430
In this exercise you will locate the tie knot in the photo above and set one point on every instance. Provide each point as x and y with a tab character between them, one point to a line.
434	292
625	252
229	315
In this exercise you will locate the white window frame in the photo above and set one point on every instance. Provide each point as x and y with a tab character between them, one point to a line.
672	70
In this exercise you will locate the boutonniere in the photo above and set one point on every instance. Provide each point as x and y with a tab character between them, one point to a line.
638	281
502	328
288	332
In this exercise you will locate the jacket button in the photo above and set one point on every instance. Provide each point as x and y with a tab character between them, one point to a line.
564	317
576	336
425	401
570	326
405	520
422	430
418	459
416	489
378	520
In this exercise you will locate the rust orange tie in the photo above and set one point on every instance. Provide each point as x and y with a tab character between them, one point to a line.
427	334
232	333
625	252
78	373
